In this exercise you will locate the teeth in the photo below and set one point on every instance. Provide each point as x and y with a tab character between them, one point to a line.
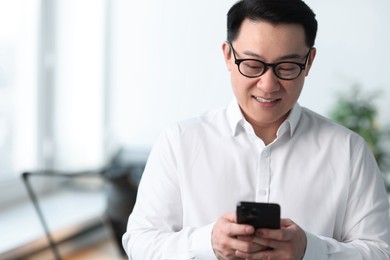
264	100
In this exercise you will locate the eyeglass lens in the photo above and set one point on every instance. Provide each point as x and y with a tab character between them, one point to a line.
255	68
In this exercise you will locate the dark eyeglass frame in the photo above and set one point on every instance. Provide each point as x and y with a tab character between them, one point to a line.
302	66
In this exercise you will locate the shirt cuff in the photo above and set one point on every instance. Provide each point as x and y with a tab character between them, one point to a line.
201	243
316	248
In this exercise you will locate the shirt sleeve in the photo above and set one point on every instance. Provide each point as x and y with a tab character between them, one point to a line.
366	224
154	229
324	248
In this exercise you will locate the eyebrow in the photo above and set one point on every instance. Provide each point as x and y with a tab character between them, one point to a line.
288	56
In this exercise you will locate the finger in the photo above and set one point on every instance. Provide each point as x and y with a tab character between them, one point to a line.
237	229
242	230
274	234
290	239
224	236
286	222
231	229
240	243
268	243
231	217
285	233
254	247
229	246
224	246
246	246
264	254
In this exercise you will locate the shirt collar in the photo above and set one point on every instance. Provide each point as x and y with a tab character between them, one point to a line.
237	121
235	117
293	118
291	123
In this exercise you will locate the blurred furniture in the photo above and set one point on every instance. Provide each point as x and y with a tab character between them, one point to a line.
34	198
121	178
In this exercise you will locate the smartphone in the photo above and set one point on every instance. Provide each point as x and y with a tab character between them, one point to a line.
259	215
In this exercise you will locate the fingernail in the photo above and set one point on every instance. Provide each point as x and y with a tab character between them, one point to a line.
249	230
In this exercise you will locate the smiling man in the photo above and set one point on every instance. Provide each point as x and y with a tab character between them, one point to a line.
263	147
268	91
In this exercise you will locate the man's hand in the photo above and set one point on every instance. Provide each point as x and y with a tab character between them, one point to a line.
289	242
229	239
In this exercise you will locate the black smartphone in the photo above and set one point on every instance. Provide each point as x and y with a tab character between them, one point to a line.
259	215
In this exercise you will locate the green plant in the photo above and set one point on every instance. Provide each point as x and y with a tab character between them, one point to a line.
358	112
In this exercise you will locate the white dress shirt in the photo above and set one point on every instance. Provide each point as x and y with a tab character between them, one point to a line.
323	176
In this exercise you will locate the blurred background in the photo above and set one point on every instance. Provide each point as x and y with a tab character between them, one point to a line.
83	80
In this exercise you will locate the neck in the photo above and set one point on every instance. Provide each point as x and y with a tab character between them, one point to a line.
268	135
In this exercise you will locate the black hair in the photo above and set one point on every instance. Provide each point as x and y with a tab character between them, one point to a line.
275	12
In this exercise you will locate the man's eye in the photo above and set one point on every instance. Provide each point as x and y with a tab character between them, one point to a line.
287	67
253	65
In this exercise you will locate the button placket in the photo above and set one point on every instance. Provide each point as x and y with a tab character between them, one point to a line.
264	176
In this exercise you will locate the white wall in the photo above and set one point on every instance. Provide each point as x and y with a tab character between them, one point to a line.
352	47
168	64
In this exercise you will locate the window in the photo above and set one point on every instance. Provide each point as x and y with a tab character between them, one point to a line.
52	81
18	86
79	76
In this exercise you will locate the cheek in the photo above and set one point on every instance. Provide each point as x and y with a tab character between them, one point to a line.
295	89
241	86
237	86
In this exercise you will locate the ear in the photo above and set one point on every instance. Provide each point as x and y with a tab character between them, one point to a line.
313	53
227	54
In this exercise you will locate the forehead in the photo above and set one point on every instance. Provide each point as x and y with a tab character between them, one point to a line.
263	37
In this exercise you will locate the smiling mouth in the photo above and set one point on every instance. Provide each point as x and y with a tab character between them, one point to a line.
263	100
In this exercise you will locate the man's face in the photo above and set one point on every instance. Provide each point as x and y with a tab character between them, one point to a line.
266	100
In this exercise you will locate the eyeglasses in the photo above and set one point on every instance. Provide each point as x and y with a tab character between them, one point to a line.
252	68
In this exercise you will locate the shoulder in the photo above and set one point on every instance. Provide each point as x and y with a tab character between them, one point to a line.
207	125
319	126
319	122
213	120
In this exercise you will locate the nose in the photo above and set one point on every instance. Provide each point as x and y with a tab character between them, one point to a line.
268	82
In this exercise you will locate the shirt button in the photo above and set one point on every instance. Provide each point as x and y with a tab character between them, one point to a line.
263	192
266	153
